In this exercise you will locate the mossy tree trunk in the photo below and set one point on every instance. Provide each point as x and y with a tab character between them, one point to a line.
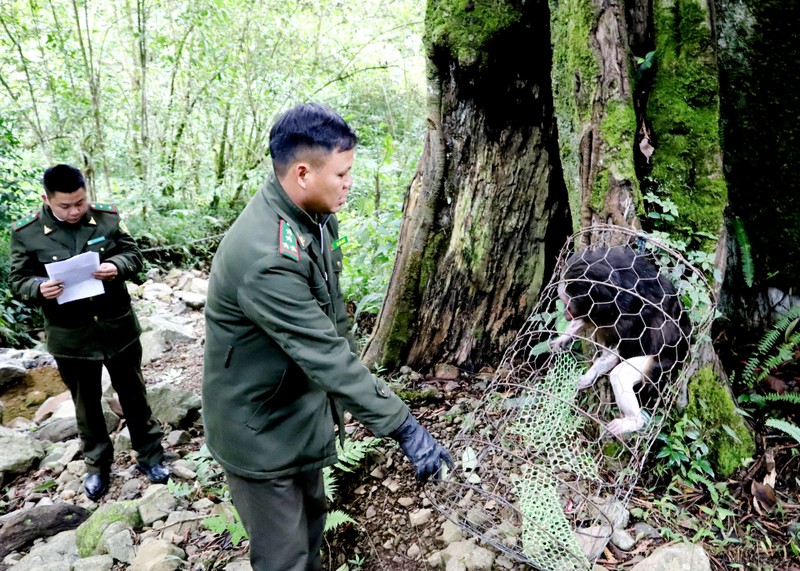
594	102
486	212
760	94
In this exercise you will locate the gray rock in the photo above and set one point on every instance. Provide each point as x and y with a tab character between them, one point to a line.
592	540
679	557
157	291
623	539
119	545
11	372
182	520
239	565
178	437
420	517
173	406
467	555
18	452
60	455
192	299
171	330
158	555
611	512
57	553
153	346
94	563
156	503
122	441
57	430
451	533
642	529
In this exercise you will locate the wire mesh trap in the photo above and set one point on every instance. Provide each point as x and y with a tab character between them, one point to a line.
546	463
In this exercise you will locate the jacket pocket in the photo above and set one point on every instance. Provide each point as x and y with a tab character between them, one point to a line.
260	418
53	255
103	247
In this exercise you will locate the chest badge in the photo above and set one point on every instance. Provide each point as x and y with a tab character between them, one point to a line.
287	242
95	240
339	243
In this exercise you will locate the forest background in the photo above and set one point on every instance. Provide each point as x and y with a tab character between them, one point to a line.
166	106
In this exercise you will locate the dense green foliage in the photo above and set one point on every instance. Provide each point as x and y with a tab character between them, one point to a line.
166	107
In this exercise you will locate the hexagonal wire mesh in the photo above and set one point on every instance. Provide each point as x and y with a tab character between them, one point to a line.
544	471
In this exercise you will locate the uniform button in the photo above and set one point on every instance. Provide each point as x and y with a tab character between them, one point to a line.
102	249
55	257
96	318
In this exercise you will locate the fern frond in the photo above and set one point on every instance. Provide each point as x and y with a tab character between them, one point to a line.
329	483
354	452
791	429
748	268
792	398
336	518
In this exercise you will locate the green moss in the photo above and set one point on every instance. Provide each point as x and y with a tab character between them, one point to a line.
712	405
411	396
575	82
91	531
464	27
684	112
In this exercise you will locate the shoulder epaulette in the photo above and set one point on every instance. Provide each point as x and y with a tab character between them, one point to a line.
104	207
287	242
20	224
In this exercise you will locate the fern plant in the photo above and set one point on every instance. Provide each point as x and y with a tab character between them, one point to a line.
351	455
791	429
776	348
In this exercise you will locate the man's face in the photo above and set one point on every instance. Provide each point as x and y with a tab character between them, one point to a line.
68	206
327	181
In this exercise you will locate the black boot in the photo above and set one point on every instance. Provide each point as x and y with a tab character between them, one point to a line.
156	473
96	485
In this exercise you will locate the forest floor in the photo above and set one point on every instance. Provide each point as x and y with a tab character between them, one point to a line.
381	494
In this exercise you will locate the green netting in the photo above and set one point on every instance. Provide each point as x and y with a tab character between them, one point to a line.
547	537
548	423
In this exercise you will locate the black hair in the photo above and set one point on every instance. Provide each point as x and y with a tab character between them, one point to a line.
307	127
62	178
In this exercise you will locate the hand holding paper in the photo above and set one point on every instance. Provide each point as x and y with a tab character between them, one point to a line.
76	275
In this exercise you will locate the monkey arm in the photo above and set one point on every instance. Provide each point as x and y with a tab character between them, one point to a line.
607	361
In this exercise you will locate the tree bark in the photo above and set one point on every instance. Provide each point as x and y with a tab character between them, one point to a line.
486	211
595	108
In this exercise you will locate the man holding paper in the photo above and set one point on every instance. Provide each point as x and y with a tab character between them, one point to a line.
57	254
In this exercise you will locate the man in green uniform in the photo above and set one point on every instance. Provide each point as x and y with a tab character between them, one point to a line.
279	360
85	334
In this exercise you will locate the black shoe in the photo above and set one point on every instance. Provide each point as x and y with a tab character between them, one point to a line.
156	473
96	485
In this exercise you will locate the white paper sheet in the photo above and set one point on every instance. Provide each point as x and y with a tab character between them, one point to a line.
76	273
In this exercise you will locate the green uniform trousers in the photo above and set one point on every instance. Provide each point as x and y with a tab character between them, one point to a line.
83	377
284	517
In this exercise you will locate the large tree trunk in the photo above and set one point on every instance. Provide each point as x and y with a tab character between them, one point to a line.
595	108
486	212
760	96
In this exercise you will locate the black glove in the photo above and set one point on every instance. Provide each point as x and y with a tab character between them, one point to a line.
422	449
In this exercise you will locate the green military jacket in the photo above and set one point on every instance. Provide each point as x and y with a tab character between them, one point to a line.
93	328
276	345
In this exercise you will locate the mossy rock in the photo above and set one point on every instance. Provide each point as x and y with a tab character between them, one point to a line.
91	531
730	440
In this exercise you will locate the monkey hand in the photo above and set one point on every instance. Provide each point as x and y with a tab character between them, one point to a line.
587	379
560	343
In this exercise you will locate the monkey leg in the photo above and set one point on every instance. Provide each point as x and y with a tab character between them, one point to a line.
600	367
623	378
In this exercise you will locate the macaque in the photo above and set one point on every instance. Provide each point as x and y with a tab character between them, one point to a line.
617	298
